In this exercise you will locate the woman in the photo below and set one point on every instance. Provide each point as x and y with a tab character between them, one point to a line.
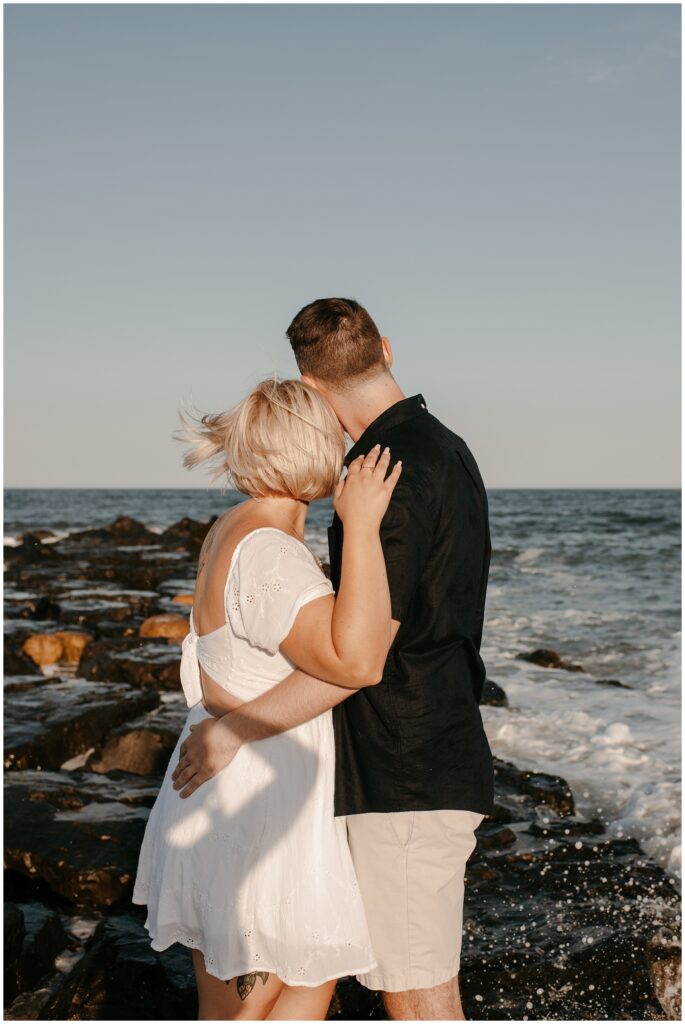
252	871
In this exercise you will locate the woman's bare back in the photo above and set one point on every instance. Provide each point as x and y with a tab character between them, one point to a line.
216	553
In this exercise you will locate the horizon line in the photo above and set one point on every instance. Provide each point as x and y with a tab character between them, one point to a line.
201	490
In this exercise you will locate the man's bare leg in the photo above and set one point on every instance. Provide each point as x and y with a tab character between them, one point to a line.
440	1003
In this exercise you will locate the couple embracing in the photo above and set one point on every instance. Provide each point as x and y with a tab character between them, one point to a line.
318	811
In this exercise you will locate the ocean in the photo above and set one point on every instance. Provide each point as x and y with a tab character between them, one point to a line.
592	574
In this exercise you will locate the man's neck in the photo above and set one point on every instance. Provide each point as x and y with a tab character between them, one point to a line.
358	408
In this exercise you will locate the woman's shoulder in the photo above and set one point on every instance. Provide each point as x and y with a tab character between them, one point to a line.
272	575
268	550
273	542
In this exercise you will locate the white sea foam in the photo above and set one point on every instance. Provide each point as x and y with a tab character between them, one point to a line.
529	555
613	746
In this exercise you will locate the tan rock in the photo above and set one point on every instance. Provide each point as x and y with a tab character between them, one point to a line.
664	957
173	627
183	599
43	648
73	643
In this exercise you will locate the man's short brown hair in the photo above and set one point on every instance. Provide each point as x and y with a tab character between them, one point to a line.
337	342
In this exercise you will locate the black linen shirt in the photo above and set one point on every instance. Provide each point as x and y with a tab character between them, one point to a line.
416	741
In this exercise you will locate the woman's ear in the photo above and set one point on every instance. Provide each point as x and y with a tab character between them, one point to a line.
387	351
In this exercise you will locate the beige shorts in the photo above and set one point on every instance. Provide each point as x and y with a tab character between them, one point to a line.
410	867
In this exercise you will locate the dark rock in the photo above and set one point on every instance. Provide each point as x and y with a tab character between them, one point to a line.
122	978
549	659
124	530
90	611
137	661
31	550
613	682
46	725
36	607
14	932
186	534
87	855
35	1003
352	1001
568	827
543	788
107	630
492	835
15	662
72	790
41	534
493	694
555	925
42	939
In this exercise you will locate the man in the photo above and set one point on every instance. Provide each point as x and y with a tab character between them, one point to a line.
414	773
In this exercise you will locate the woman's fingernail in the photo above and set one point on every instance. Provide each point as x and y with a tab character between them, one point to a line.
386	449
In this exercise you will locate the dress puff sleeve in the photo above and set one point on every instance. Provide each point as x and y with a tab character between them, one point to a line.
273	576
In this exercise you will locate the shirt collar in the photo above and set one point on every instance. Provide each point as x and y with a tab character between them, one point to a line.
403	410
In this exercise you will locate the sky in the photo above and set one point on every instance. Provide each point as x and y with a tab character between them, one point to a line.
498	184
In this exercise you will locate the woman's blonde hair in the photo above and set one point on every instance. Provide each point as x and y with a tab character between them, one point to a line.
282	439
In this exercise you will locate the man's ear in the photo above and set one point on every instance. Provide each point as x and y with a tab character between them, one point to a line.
387	351
311	381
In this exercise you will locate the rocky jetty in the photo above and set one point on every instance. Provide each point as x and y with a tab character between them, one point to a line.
561	921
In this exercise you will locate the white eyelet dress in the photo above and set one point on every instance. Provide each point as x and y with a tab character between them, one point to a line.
253	869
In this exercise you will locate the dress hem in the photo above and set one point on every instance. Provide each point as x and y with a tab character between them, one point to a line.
293	982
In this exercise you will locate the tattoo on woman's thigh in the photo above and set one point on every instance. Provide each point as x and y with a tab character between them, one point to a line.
246	982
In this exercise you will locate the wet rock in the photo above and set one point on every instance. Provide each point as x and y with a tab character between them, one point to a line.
20	604
547	658
90	611
34	949
664	957
568	827
138	601
16	684
46	725
107	629
541	787
555	924
173	627
71	790
31	550
14	932
87	854
493	835
35	1003
15	662
613	682
42	534
493	694
139	662
122	978
130	572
